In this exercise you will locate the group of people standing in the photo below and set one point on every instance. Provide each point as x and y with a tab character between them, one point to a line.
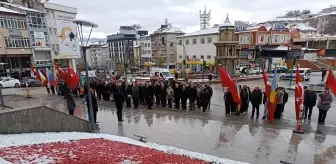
160	93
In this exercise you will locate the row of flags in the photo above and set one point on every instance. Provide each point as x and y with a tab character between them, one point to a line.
271	89
69	77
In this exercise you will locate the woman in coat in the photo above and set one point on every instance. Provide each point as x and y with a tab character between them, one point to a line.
71	104
324	105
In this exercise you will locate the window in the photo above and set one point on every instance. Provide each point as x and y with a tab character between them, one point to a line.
171	44
40	41
180	56
194	41
202	57
180	42
202	41
187	41
36	20
209	57
209	40
12	23
194	57
17	42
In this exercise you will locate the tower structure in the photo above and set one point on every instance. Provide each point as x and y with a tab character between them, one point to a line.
226	46
205	18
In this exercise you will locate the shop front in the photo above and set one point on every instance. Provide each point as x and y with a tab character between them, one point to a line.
16	66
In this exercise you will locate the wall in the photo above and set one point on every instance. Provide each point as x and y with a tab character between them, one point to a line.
303	64
40	119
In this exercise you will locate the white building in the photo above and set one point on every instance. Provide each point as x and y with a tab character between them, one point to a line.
146	49
199	47
63	34
97	56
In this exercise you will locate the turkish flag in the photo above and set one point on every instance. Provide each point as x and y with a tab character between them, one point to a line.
73	79
227	81
33	69
331	82
270	106
299	92
61	73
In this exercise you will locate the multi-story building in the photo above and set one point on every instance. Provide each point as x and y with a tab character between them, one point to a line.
38	32
16	55
325	23
146	49
121	50
199	47
64	41
97	56
165	52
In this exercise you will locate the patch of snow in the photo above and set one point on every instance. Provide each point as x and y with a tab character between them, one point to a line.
5	10
2	161
39	138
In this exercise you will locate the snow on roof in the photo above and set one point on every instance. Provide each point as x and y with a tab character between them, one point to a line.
5	10
324	14
304	27
213	30
22	7
168	29
279	19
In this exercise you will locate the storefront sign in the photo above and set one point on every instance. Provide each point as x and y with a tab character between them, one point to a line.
278	26
241	28
15	33
67	32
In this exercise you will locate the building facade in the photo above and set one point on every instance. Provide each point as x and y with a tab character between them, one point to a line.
97	56
16	55
226	47
145	50
199	47
165	52
64	41
121	50
38	32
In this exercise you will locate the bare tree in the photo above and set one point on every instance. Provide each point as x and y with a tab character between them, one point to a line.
160	61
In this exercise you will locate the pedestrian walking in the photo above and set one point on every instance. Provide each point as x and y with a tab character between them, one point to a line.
119	101
70	100
324	105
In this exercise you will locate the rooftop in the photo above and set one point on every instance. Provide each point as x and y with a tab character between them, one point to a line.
227	22
213	30
22	7
168	28
5	10
303	27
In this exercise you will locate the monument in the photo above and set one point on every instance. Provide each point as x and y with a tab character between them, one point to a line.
226	47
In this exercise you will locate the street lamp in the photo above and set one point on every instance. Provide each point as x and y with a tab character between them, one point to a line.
80	24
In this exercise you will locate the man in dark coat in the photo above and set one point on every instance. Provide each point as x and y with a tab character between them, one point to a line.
135	95
94	105
177	95
157	92
149	94
119	101
163	94
142	94
128	95
192	95
309	102
256	99
71	104
184	97
228	101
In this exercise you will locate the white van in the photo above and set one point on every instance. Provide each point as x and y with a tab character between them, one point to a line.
291	74
91	73
164	73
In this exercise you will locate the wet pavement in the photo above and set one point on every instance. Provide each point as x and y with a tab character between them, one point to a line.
233	137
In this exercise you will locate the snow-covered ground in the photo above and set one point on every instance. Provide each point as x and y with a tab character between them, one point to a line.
40	138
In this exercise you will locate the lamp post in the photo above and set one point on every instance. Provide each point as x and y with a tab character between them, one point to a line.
80	24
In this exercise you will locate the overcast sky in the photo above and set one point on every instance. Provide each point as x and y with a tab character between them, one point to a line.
184	14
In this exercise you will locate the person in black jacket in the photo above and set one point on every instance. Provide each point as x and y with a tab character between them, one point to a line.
149	94
94	105
184	97
309	102
157	92
163	94
228	100
192	95
265	105
128	95
142	94
100	89
119	101
256	99
285	99
177	95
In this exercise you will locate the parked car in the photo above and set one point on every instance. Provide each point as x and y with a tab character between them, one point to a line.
280	69
31	81
6	82
291	74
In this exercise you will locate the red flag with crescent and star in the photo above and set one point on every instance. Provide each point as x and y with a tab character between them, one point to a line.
73	79
299	92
